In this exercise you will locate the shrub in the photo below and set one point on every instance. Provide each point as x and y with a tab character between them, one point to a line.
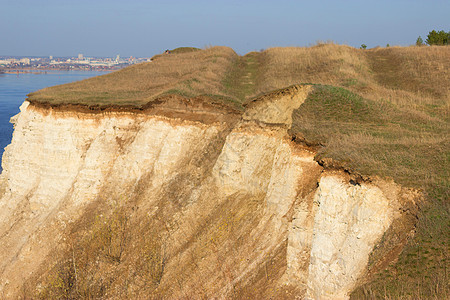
438	38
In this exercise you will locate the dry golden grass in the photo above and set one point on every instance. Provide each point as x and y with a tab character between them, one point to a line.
187	73
121	250
322	64
421	70
404	75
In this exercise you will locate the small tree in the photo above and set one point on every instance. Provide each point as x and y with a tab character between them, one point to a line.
438	38
419	41
363	46
387	45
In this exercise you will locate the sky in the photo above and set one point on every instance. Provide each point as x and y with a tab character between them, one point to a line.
142	28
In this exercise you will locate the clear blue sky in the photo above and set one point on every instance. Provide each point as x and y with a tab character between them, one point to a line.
143	28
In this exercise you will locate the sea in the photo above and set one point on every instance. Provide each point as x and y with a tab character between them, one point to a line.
14	89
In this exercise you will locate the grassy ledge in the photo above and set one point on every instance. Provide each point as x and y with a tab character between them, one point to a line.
185	72
382	138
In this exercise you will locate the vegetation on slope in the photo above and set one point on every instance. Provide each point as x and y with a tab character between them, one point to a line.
381	111
373	137
405	75
382	138
123	245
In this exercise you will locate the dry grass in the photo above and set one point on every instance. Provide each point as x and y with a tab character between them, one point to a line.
109	249
389	140
373	137
404	75
322	64
174	253
187	73
423	71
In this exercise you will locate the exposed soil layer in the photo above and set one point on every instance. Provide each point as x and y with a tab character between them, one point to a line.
201	109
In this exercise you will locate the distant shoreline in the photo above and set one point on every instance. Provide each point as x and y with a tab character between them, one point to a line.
46	70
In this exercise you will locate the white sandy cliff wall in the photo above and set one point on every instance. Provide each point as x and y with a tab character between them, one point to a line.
58	162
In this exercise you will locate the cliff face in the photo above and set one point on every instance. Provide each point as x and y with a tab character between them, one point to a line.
236	206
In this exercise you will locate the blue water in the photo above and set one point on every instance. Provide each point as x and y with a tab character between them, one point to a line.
15	87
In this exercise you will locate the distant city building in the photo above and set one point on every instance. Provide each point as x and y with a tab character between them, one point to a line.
62	63
25	61
5	61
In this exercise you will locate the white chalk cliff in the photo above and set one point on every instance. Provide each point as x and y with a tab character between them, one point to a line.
325	224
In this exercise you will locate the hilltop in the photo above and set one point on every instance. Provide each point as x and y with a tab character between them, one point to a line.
381	73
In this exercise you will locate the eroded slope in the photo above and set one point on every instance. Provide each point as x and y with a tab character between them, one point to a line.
183	199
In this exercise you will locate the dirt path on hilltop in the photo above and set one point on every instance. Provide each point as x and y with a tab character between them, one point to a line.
242	78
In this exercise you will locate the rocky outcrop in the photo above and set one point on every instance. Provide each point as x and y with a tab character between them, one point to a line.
324	224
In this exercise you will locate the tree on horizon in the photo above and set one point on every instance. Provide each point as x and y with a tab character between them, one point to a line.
438	38
419	41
